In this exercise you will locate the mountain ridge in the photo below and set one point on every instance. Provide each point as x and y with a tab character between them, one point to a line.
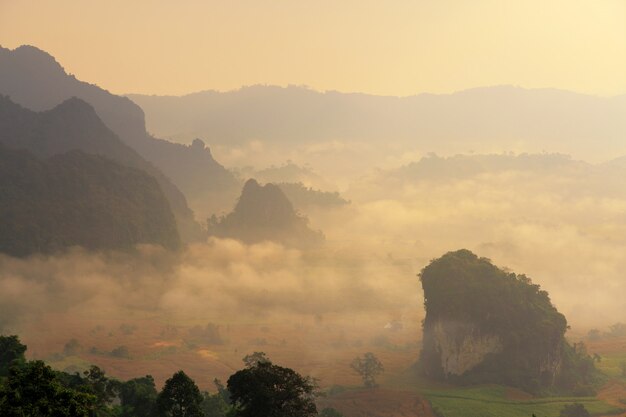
484	119
78	199
34	79
74	125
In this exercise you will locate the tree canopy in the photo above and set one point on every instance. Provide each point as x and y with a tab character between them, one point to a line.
180	397
267	390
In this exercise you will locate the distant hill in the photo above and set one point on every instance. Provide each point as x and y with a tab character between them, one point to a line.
265	213
287	172
487	325
34	79
76	199
501	118
74	125
558	173
304	197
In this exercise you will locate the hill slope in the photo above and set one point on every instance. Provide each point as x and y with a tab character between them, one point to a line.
74	125
265	213
501	118
34	79
78	199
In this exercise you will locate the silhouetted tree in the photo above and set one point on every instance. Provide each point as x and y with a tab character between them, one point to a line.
254	359
100	386
11	349
180	397
368	367
267	390
32	389
138	397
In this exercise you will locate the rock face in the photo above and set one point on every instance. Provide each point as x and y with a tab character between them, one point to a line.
265	213
485	325
462	346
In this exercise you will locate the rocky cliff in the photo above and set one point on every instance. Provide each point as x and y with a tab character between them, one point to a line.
486	325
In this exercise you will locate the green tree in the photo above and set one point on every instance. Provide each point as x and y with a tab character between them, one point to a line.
574	410
32	389
180	397
268	390
218	404
100	386
368	367
213	405
11	349
138	397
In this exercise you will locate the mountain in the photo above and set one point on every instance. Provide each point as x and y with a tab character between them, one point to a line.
264	213
304	197
74	125
34	79
77	199
501	118
487	325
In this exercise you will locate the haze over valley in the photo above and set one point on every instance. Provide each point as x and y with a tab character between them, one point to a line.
450	253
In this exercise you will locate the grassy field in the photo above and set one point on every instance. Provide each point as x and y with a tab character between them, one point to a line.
611	364
493	401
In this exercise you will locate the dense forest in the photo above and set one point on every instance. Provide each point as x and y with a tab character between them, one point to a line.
76	199
75	125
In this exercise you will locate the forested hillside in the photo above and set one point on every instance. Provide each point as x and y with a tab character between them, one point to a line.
78	199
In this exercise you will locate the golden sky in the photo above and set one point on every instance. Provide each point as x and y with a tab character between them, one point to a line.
394	47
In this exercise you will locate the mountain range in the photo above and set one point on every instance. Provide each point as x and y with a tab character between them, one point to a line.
74	125
35	80
489	119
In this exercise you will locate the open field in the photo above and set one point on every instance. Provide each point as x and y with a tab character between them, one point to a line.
318	346
492	401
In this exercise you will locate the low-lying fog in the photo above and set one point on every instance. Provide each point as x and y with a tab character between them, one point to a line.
561	222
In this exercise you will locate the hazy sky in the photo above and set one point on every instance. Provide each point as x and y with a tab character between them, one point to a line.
397	47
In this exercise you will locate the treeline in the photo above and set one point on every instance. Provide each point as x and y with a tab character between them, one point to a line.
261	388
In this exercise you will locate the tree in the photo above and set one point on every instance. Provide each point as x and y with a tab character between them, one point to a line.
574	410
100	386
368	367
594	334
255	358
267	390
180	397
32	389
11	349
213	405
72	347
218	404
138	397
